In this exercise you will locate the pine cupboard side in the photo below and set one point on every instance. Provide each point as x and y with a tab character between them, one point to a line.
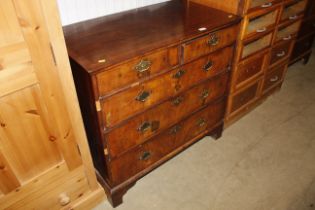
45	161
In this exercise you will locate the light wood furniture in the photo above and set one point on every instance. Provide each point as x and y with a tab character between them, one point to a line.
151	82
268	32
303	46
45	161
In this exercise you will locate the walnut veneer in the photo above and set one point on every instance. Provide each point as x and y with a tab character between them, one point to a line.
151	82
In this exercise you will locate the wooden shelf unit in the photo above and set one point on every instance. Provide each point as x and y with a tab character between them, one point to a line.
268	33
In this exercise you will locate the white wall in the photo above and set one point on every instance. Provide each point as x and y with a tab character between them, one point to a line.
72	11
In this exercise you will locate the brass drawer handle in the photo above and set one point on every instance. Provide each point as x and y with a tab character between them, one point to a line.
179	74
145	126
208	66
214	40
287	38
143	65
204	94
274	79
201	122
266	5
143	96
281	54
175	129
177	101
145	156
293	17
261	30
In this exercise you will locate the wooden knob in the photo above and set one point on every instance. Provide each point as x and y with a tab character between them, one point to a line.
64	199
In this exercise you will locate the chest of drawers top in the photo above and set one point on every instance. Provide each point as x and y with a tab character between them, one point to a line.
111	40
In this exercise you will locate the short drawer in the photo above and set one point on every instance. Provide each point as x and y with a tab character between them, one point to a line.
280	52
145	125
293	11
255	5
244	97
274	77
205	67
256	45
143	156
207	44
139	68
288	32
125	104
259	24
250	68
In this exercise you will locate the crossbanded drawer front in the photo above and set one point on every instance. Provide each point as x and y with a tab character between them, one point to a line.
205	67
274	77
139	68
280	52
145	125
136	99
141	157
250	68
207	44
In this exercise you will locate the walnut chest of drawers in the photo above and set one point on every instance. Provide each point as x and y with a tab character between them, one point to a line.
151	82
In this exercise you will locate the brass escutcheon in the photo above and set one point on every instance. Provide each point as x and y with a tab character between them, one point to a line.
208	66
201	122
143	65
175	129
177	101
145	155
179	74
143	96
214	40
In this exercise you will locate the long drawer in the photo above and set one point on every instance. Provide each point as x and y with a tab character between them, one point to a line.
141	96
145	125
138	68
151	151
207	44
